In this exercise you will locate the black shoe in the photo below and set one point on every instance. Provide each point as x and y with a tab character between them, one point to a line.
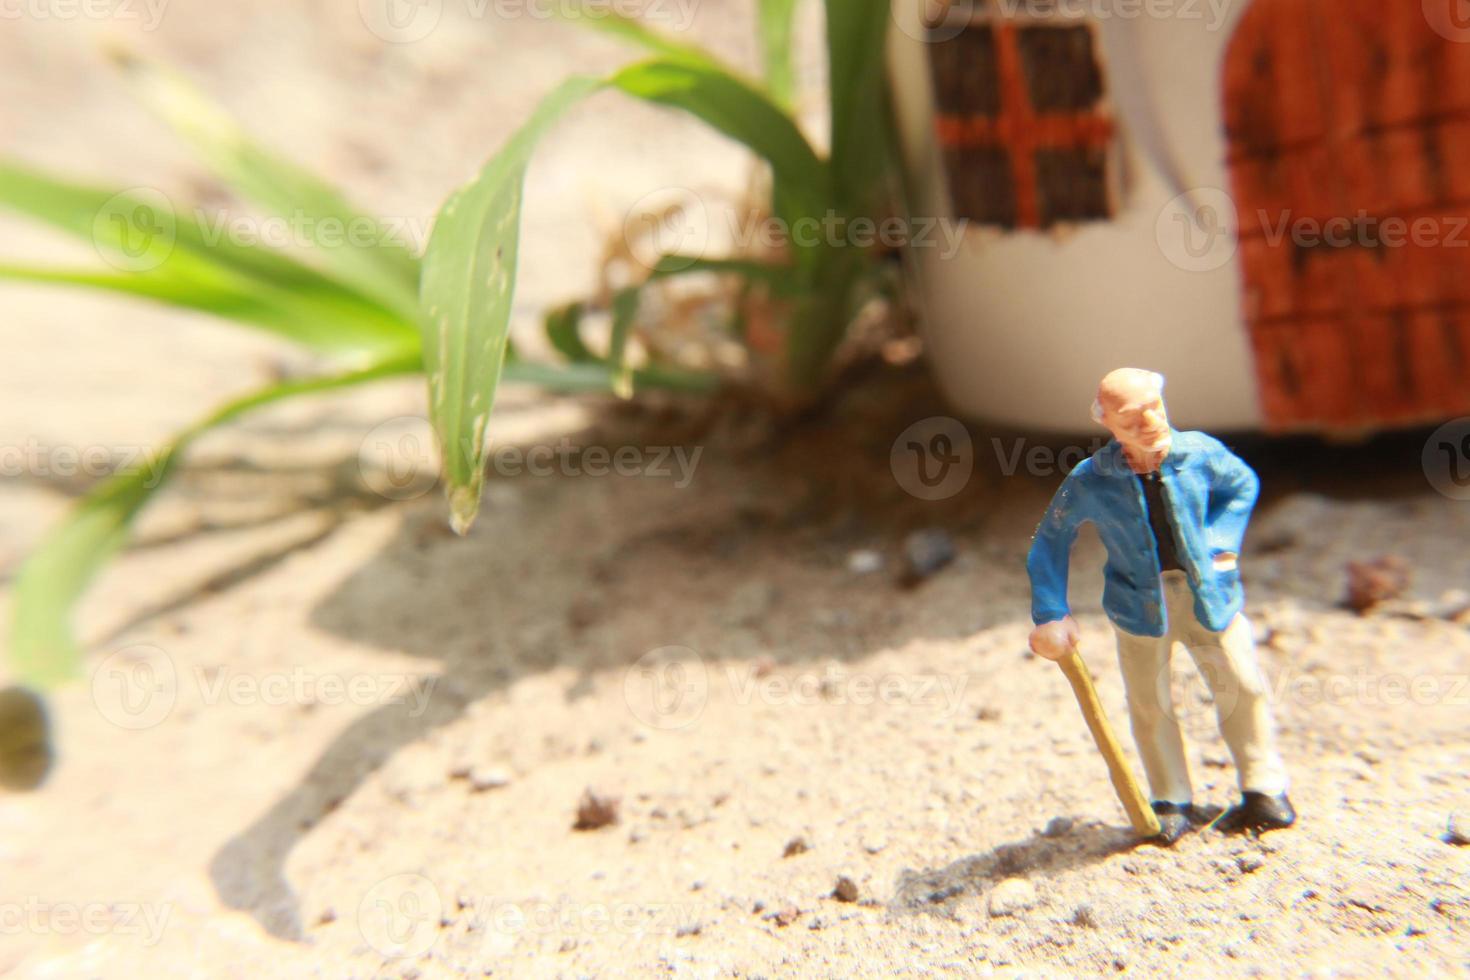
1174	821
1257	813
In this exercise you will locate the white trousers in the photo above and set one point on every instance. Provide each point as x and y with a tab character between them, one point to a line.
1227	661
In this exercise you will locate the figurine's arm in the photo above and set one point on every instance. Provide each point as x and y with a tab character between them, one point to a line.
1051	552
1233	490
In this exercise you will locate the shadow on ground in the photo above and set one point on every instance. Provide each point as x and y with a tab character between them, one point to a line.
1041	854
557	562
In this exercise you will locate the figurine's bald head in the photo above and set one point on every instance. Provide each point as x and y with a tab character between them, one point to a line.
1130	402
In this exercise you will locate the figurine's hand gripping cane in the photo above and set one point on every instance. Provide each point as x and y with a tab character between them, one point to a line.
1145	821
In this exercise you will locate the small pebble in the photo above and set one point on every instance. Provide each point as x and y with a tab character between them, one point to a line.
944	893
1011	896
864	562
483	780
1378	580
924	554
1458	831
795	846
1057	826
595	810
1250	861
784	917
846	890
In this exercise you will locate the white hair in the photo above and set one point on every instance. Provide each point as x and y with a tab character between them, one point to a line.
1156	382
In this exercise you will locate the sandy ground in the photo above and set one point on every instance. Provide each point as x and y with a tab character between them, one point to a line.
319	736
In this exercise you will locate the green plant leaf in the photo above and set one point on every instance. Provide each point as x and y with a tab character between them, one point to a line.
177	260
562	331
823	312
856	34
777	23
468	283
625	312
801	179
325	321
361	249
139	227
635	31
43	649
781	277
470	264
739	111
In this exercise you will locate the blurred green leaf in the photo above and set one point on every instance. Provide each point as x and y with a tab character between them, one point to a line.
160	256
324	321
562	330
741	112
823	312
777	24
625	312
781	277
137	227
635	31
43	649
361	249
857	31
859	162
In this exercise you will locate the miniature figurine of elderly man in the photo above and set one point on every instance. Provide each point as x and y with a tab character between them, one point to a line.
1171	509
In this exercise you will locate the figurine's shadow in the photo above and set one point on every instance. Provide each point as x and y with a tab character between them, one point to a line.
1040	855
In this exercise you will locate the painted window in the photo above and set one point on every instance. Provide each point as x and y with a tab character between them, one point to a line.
1020	116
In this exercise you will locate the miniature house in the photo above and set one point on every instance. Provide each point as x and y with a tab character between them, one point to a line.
1266	200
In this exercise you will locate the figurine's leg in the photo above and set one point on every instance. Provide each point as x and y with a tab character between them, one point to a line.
1144	661
1228	663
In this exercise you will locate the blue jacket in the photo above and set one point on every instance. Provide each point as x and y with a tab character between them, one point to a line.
1210	493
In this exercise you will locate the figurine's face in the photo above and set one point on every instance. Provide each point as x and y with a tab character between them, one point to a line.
1137	418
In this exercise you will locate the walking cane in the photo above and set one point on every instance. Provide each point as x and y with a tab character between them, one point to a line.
1145	821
